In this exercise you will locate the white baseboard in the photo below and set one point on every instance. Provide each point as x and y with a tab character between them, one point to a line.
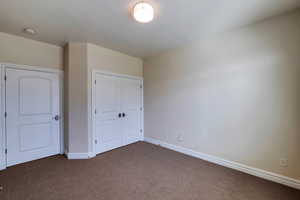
230	164
79	156
2	167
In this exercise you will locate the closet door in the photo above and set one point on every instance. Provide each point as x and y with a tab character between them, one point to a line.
108	113
131	110
2	136
32	122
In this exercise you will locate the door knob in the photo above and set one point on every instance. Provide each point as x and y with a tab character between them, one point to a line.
120	115
56	118
123	115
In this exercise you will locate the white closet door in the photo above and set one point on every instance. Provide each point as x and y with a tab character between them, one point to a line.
32	123
131	110
2	136
107	120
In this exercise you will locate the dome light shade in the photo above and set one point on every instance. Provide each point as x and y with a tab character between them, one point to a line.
143	12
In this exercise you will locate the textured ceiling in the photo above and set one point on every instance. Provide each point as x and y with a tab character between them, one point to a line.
108	22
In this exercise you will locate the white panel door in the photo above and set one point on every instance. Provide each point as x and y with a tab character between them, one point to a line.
32	123
108	115
131	110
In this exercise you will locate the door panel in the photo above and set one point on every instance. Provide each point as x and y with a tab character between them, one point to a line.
131	105
107	104
41	98
32	101
41	134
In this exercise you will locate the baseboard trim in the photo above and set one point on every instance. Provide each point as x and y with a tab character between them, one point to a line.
230	164
79	156
2	167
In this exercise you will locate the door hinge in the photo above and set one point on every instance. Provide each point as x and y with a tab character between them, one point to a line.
5	114
141	130
141	108
95	82
5	151
96	141
95	111
5	77
141	86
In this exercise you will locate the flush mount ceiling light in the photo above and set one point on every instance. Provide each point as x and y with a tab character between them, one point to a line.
143	12
29	31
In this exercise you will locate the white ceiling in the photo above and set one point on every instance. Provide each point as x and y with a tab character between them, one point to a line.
108	22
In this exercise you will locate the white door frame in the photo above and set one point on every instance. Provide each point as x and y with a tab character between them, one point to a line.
93	106
3	133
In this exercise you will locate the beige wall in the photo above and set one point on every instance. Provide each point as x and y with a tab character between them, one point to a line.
66	98
76	97
82	59
108	60
235	96
19	50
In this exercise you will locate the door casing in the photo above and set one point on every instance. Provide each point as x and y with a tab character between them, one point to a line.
93	104
4	66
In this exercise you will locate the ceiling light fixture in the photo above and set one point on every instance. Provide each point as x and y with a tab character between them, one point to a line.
143	12
29	31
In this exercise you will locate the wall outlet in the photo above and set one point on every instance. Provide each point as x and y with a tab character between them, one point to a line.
283	162
179	138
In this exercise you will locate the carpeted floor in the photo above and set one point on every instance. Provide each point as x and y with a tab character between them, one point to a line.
139	171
